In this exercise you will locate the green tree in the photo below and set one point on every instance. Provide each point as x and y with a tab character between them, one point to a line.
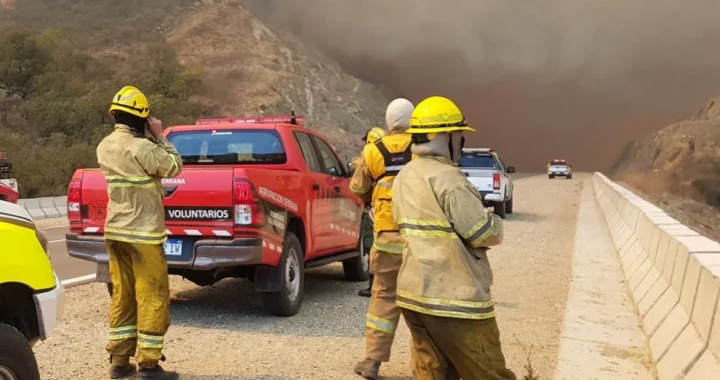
21	61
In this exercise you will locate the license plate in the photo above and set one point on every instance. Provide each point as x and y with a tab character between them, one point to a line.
173	247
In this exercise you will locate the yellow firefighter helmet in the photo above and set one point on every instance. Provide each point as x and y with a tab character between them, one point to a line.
373	135
131	100
437	114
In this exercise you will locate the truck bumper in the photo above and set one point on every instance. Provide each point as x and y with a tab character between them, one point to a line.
49	307
490	198
205	254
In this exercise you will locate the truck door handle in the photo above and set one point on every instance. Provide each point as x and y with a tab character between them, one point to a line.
337	189
315	186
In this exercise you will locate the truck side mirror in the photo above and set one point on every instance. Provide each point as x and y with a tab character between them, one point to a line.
511	169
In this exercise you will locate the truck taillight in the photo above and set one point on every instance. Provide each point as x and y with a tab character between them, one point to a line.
496	181
248	209
74	201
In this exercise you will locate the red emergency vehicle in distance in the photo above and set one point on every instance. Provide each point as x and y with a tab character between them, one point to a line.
259	198
558	167
8	184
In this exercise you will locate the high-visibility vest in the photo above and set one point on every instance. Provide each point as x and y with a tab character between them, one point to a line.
384	159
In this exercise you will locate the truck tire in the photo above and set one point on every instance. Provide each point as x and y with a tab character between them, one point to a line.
509	206
499	209
291	272
569	177
551	176
109	288
17	361
358	268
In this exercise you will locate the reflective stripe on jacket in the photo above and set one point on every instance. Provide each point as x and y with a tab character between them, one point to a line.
133	167
381	162
445	270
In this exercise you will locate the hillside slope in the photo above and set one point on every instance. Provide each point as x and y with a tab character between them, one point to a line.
679	168
195	58
251	70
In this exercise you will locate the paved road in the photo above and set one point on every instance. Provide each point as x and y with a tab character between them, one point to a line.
69	267
214	326
65	266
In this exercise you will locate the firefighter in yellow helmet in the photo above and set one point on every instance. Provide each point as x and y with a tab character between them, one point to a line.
445	278
366	228
134	158
381	162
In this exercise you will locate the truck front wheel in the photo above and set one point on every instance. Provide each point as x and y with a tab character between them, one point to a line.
358	268
17	361
291	274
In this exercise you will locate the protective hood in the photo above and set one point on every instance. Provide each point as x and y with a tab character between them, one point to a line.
440	146
397	115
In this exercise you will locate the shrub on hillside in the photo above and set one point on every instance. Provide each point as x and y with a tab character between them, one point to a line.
54	99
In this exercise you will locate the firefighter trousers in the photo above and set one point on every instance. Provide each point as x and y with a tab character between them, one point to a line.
383	314
454	349
140	309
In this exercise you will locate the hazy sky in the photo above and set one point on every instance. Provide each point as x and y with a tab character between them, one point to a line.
538	78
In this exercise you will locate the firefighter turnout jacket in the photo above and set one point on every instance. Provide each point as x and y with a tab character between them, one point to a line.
133	168
380	164
445	270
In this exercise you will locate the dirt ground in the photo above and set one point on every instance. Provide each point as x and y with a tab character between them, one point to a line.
221	332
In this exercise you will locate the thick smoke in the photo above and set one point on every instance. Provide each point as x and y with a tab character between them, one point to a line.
538	79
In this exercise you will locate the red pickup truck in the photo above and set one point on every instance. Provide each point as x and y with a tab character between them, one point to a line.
8	194
258	198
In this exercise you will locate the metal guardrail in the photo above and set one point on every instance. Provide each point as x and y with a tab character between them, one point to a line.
47	207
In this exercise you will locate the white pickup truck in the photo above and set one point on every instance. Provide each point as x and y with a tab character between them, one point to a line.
487	171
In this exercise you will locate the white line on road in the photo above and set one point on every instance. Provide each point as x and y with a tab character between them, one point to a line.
56	241
78	280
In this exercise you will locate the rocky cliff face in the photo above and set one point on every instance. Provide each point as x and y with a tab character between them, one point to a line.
685	156
678	167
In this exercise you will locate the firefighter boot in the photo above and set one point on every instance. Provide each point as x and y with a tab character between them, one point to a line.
366	292
156	373
122	371
368	368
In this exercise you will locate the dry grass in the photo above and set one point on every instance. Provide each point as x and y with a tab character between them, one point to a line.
530	373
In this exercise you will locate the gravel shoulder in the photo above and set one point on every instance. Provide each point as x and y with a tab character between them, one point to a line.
221	332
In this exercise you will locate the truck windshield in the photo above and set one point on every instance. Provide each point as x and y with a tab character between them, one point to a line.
477	161
558	164
229	147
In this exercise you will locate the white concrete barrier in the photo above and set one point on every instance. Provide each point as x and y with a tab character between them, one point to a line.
48	207
672	273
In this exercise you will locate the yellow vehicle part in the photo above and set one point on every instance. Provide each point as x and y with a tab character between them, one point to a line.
23	259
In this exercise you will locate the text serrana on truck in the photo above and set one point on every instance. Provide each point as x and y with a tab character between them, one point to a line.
258	198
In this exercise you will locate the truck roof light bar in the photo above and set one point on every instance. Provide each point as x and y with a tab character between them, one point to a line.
289	119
